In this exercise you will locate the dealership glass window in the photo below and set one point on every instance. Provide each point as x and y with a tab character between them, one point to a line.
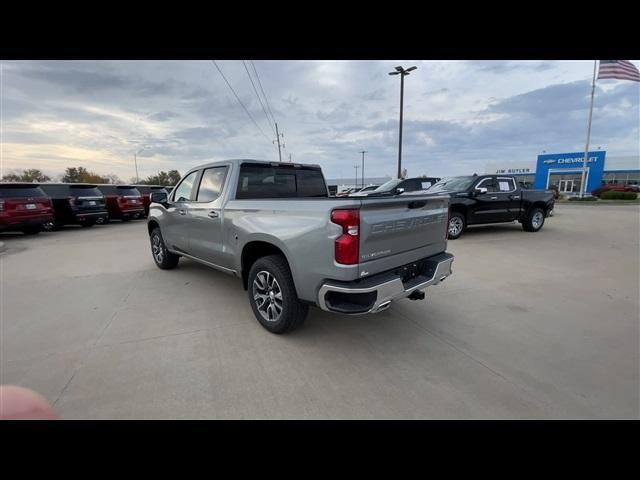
625	178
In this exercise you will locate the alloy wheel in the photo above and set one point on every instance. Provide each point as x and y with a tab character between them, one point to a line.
268	296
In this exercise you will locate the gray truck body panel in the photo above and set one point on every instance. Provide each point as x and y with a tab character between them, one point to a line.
394	231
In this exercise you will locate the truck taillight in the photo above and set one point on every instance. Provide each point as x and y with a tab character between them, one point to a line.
348	244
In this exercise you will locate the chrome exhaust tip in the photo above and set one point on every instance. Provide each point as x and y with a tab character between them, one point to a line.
382	306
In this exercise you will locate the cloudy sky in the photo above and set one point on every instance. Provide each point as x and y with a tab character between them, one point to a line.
459	115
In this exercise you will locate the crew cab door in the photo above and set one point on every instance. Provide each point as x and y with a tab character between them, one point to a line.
175	228
491	206
206	217
509	192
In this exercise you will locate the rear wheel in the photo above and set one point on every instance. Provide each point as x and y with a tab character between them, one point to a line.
88	224
273	296
126	218
456	225
534	220
164	258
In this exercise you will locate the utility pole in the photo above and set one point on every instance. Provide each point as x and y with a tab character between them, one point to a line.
135	161
278	139
289	158
356	167
402	72
363	152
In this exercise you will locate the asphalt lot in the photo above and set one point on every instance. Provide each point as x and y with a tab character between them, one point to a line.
542	325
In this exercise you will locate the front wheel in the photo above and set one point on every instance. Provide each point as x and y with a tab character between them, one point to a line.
534	220
164	258
273	297
456	226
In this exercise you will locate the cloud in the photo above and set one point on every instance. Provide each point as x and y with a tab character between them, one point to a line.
459	116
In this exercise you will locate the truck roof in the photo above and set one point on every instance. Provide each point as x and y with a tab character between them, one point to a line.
251	160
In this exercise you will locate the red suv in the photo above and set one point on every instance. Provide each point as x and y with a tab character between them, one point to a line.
24	207
145	191
612	187
123	201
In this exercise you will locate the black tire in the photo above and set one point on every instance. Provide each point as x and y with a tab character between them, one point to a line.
164	258
534	220
126	219
32	230
292	311
460	225
88	224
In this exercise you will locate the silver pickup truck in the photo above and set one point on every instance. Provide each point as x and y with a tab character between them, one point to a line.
274	226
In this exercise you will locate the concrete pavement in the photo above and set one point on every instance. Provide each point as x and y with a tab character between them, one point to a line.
541	325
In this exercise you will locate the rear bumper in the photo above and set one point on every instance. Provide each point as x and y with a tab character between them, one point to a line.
83	217
375	293
18	223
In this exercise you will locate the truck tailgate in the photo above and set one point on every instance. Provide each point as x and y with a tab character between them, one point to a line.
398	230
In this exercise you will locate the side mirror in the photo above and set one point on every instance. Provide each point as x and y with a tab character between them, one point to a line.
159	197
399	191
481	190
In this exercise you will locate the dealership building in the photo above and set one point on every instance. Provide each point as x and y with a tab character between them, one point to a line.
564	170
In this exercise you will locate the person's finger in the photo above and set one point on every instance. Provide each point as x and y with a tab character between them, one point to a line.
18	403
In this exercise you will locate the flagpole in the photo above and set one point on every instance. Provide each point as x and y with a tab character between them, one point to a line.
583	187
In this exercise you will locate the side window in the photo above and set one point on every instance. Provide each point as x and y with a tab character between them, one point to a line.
489	184
506	185
211	184
184	190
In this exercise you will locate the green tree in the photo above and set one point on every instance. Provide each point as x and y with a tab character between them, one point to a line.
29	175
174	177
82	175
162	178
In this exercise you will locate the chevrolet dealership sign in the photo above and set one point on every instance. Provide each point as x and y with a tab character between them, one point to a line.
563	163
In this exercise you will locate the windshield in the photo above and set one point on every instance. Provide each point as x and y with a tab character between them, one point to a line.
388	186
452	184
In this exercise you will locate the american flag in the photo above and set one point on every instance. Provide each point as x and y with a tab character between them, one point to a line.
620	69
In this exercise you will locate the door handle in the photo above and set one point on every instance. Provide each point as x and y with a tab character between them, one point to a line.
182	211
515	197
212	214
494	198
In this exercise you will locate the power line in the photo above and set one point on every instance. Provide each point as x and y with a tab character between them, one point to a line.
239	101
257	95
262	90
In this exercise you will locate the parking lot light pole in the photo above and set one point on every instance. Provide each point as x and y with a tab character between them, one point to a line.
135	161
402	72
363	152
356	167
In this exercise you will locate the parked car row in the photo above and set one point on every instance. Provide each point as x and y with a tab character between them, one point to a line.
32	207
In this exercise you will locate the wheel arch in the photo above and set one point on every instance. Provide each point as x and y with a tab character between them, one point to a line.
152	224
256	249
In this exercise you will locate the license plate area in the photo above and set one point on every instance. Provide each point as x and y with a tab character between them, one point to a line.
30	206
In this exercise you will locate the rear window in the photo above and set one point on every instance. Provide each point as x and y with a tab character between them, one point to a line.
280	181
56	191
10	191
108	189
128	191
85	191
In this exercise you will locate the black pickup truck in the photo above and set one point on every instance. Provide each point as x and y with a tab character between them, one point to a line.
482	199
